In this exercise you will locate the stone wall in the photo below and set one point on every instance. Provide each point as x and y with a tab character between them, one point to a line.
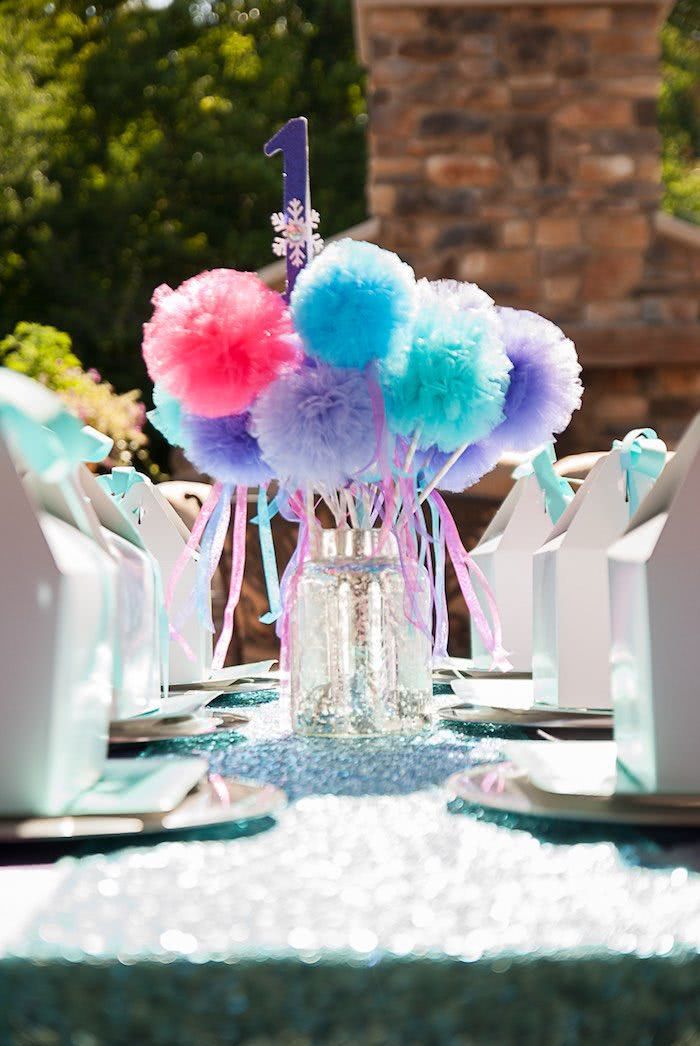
517	146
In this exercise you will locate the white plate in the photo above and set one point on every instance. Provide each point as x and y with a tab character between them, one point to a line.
227	678
141	786
144	729
508	787
529	718
215	801
446	668
574	768
495	692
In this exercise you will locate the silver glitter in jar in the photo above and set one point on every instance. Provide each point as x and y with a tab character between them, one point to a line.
357	666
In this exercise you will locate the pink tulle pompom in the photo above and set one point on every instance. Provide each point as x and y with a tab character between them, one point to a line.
219	340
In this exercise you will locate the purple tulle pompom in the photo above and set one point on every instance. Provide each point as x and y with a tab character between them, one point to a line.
224	449
316	426
545	388
470	467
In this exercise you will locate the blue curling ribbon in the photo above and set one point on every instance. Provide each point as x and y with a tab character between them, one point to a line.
423	546
269	559
272	511
557	492
642	453
120	481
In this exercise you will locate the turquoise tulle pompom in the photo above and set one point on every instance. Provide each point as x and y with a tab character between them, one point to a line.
450	382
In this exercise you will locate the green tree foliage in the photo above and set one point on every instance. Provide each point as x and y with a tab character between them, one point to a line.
131	142
680	110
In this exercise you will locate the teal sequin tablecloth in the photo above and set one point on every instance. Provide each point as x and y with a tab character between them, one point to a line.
371	912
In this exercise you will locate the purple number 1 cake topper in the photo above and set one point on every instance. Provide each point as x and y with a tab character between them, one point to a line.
296	239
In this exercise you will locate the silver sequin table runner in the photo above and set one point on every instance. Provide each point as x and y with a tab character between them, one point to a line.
371	912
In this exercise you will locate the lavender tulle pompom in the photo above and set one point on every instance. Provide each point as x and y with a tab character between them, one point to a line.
545	388
224	449
476	461
316	426
463	295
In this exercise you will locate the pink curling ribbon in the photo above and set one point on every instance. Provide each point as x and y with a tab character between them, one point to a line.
293	513
183	559
426	543
237	568
291	578
192	542
442	626
436	576
408	555
464	566
211	548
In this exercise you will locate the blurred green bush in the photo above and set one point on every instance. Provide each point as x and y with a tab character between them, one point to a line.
46	354
131	151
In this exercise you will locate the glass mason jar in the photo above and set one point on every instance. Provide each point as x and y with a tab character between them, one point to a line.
357	666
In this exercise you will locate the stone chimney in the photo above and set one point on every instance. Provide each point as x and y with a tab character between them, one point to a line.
516	145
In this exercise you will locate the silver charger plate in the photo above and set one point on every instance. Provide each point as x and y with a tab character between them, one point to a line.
144	729
241	686
506	787
462	669
533	718
215	801
485	673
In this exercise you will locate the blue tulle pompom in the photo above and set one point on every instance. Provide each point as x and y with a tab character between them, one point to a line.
166	416
224	449
353	304
450	383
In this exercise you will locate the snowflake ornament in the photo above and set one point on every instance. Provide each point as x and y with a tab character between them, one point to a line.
294	232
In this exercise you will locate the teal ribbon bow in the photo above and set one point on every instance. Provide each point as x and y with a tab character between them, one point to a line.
120	481
52	449
642	453
557	492
95	446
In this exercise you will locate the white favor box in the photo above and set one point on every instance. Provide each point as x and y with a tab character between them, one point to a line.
571	619
504	554
654	600
138	654
165	536
55	654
